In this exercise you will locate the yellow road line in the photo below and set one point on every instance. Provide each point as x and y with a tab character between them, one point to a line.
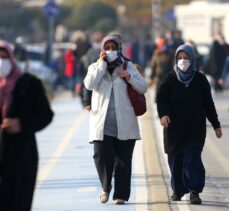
43	174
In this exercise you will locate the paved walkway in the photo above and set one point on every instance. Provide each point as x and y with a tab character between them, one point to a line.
68	181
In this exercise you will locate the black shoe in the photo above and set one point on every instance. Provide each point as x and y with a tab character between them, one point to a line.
174	197
194	198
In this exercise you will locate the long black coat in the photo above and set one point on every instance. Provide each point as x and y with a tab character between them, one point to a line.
20	155
187	108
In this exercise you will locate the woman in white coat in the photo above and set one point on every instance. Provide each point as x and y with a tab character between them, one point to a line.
113	123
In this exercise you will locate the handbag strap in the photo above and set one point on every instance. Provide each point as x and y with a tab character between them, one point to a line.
124	65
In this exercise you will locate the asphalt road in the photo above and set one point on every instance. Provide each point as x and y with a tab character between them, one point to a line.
67	179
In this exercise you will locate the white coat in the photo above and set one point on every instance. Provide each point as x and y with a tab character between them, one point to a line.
101	82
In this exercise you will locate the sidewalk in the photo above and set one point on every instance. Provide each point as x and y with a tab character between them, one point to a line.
67	179
156	169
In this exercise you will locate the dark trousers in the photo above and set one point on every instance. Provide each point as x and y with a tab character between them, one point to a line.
20	162
113	155
187	171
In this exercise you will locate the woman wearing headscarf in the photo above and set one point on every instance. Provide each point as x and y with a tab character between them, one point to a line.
24	110
184	102
113	123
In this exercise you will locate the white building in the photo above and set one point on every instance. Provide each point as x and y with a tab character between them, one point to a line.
199	20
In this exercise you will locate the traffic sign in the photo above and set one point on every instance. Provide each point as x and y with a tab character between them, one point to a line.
51	9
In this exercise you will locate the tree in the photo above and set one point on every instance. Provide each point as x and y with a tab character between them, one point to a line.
91	15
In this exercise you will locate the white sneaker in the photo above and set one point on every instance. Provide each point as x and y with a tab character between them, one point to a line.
104	197
119	201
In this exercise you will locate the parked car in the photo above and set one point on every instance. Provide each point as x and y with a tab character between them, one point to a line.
35	65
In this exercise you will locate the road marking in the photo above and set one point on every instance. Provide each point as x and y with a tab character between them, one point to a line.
141	191
43	174
86	189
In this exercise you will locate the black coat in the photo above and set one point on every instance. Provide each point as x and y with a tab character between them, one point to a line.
20	155
187	108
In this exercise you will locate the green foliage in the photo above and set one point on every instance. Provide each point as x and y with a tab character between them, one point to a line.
105	25
29	20
88	15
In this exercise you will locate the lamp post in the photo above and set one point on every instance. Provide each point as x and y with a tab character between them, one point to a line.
52	10
121	10
156	16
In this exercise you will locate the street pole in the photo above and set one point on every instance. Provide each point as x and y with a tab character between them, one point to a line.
51	9
156	16
51	36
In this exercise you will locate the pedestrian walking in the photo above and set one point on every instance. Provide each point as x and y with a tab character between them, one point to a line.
224	79
216	60
24	110
184	102
113	124
161	62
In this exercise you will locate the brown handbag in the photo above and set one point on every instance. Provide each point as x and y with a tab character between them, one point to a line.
137	100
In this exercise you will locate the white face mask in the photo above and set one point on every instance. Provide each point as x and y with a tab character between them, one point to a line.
5	67
183	64
111	55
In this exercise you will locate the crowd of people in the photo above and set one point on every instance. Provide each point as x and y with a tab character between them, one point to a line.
94	70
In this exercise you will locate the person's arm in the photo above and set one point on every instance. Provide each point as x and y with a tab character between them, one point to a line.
162	100
135	79
40	114
154	66
210	109
95	72
30	105
87	94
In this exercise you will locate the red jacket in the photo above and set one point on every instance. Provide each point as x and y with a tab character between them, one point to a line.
69	59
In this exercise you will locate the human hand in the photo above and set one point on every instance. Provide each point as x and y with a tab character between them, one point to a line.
88	108
102	56
165	121
221	82
152	82
11	125
124	74
218	132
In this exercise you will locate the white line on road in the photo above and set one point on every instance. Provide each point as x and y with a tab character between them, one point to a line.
86	189
43	174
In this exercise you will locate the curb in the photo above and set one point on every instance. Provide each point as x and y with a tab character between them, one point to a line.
157	189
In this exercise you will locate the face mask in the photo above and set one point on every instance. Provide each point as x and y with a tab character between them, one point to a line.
183	64
111	55
5	67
